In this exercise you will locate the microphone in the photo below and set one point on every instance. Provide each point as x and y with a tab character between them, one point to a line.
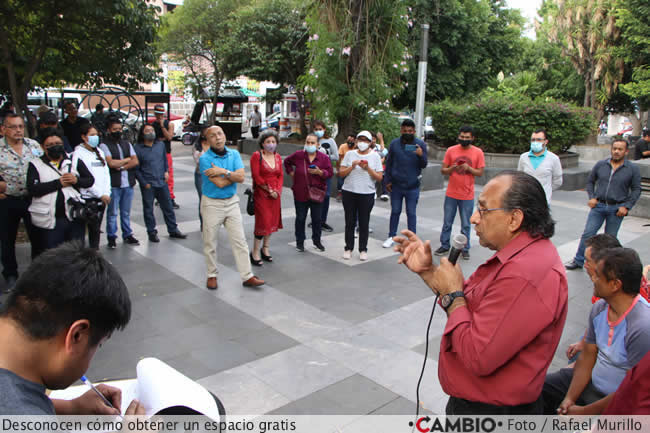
457	244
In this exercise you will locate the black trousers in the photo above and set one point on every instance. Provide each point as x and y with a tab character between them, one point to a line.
459	406
255	130
556	386
357	207
12	210
94	227
64	230
314	208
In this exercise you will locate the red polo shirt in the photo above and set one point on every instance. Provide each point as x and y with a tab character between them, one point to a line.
498	348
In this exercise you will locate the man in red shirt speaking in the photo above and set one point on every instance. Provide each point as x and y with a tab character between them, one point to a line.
505	321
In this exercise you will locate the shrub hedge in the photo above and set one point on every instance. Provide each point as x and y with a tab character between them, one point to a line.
504	124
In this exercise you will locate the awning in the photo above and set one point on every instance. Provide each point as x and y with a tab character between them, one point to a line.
251	93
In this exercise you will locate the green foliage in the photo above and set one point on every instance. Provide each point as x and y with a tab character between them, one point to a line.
357	51
470	42
504	124
200	35
633	17
383	122
86	42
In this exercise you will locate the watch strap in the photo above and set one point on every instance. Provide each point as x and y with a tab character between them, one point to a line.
452	296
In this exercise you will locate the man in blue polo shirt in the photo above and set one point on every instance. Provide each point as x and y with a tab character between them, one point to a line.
221	170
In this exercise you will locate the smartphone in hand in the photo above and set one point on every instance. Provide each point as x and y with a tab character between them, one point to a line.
411	147
313	166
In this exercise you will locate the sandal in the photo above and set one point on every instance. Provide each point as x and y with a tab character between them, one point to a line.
255	262
264	256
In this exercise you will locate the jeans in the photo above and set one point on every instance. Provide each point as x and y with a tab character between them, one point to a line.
301	216
122	198
326	204
198	184
597	215
160	193
357	208
64	230
466	207
12	210
411	197
556	386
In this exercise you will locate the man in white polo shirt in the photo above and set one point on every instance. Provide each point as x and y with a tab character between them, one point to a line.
542	164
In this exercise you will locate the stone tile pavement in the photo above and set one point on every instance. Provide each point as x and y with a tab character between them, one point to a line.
324	335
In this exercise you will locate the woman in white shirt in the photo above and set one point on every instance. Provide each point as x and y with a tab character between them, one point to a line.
99	194
361	168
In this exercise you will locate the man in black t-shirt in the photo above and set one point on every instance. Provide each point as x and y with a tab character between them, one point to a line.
72	123
62	308
642	147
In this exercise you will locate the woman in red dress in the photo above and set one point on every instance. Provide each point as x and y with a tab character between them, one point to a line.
266	168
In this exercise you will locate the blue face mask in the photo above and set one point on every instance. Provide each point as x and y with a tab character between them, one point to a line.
319	133
310	149
93	140
536	146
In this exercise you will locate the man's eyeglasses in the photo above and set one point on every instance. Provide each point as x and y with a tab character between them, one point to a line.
483	211
15	127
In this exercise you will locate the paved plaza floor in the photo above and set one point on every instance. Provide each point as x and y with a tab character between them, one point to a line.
323	336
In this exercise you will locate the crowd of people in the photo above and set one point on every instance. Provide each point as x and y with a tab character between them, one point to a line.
504	322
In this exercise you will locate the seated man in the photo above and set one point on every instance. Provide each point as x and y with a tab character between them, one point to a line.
617	338
595	245
62	308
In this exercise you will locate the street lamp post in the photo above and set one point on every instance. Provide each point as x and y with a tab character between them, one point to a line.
422	81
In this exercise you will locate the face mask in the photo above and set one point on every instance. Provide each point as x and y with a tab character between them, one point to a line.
319	133
150	136
350	144
408	138
55	152
220	152
536	146
93	140
363	146
116	135
270	147
464	143
310	149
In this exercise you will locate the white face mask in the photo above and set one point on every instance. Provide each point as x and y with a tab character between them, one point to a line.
363	146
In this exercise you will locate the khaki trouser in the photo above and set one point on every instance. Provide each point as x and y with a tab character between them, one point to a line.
216	212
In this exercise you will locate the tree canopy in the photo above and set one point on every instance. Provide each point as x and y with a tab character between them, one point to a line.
85	42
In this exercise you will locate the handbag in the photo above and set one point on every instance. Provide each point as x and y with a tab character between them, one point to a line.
79	208
315	193
250	204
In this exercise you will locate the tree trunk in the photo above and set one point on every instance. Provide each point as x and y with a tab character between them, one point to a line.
302	113
635	121
348	126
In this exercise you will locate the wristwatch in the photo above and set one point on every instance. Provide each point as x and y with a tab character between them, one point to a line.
448	299
228	173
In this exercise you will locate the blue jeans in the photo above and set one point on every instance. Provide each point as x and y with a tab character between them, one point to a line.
122	198
597	215
411	197
160	193
301	216
465	207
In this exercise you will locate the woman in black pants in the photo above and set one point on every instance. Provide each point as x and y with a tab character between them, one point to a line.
361	168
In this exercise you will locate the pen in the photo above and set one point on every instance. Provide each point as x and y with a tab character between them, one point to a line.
85	380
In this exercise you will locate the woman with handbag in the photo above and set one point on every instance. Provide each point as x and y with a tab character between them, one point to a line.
310	170
266	169
54	181
98	196
361	168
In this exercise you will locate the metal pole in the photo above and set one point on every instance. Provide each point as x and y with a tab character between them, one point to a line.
422	81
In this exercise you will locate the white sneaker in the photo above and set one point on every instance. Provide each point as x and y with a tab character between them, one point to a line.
388	243
370	230
363	256
384	197
347	254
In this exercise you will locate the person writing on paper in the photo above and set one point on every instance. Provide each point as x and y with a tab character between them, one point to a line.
62	308
504	323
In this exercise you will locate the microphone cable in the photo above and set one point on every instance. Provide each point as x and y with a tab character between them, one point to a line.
424	363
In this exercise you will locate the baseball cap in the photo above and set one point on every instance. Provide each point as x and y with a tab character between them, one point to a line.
365	134
159	109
